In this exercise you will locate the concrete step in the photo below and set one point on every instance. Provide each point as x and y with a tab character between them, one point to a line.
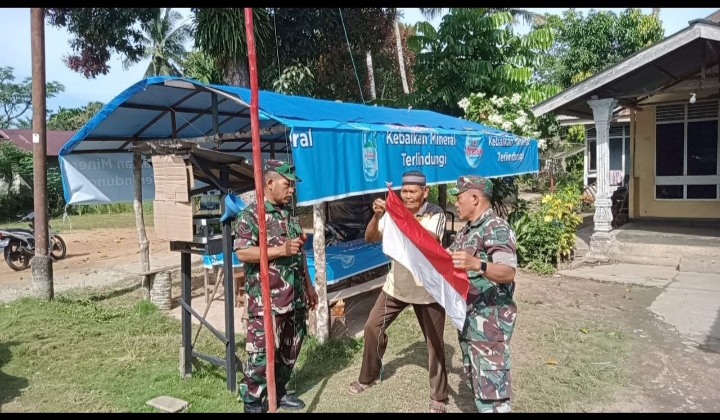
701	259
700	264
581	252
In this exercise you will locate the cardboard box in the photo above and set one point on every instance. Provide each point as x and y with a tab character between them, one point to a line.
173	207
173	178
173	220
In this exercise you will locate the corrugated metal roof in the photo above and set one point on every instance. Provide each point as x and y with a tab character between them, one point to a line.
23	139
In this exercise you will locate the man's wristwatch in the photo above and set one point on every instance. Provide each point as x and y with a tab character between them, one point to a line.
483	267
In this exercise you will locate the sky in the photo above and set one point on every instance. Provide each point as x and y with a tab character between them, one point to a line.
15	52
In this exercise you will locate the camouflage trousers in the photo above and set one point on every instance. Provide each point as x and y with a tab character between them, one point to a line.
290	331
485	346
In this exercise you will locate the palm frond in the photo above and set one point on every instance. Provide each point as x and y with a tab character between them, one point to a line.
220	32
432	13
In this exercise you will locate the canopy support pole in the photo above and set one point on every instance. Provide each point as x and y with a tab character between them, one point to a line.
322	326
138	208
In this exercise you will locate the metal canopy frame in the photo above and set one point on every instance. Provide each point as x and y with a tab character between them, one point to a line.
229	174
182	118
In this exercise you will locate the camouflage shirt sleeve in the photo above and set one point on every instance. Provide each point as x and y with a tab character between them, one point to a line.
499	242
247	230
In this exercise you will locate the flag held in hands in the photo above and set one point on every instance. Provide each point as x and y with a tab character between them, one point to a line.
409	244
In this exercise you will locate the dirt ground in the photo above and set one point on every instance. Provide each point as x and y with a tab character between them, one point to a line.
89	250
94	258
665	372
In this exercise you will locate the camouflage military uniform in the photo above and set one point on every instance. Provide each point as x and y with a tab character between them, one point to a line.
286	277
485	338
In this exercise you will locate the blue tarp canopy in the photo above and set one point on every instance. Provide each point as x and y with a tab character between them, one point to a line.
339	149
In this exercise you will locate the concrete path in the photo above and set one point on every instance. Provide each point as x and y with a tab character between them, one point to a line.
689	302
642	275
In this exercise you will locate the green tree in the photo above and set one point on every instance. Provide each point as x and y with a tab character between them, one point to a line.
201	67
16	98
517	14
586	45
72	119
164	40
14	162
11	158
100	32
474	51
388	75
318	39
220	33
297	79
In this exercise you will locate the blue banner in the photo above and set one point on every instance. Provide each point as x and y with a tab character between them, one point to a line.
334	164
346	259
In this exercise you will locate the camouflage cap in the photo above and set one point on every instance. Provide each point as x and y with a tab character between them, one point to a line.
472	182
283	168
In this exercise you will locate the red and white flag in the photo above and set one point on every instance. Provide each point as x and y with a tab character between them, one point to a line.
409	244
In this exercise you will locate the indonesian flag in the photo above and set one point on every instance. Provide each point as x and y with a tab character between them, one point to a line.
409	244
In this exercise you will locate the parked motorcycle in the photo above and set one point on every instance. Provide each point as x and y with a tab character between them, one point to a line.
19	244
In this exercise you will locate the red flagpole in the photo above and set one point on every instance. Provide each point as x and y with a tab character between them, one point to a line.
257	168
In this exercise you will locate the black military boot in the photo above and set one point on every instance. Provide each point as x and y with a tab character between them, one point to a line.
256	407
290	402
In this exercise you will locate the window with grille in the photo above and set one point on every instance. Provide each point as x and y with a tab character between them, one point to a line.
686	151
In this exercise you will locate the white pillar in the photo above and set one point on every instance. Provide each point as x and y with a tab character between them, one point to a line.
600	241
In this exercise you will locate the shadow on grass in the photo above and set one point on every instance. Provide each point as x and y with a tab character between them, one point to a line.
313	404
97	295
10	386
318	362
416	354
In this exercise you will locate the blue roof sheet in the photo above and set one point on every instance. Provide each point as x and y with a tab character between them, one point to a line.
142	112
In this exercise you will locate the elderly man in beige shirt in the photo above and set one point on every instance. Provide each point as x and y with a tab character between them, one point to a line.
401	290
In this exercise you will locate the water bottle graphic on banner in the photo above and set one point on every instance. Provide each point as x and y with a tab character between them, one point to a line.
370	158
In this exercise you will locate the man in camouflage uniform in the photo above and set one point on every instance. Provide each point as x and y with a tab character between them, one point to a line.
485	248
290	287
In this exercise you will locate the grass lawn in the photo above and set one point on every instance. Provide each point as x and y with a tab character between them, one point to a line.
90	221
111	353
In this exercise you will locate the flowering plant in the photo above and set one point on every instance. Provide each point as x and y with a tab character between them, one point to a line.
511	114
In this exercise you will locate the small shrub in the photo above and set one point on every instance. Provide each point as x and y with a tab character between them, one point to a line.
546	235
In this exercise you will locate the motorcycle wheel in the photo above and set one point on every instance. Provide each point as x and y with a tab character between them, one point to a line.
58	248
14	258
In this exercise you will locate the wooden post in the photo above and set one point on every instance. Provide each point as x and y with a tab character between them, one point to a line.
42	272
139	218
322	331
